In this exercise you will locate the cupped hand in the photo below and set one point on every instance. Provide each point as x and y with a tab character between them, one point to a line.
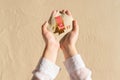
67	43
69	40
48	36
52	45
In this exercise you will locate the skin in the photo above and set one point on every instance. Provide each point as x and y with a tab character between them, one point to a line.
51	43
66	44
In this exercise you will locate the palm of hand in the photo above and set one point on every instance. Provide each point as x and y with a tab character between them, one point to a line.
69	39
48	36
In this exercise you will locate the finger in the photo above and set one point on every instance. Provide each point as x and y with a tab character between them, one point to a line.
57	10
75	26
53	12
68	12
63	11
44	27
60	12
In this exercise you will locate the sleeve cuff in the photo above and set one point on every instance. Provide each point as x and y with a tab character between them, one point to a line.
48	68
74	63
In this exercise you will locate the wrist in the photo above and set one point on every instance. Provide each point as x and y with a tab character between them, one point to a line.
53	45
68	47
52	48
69	51
50	53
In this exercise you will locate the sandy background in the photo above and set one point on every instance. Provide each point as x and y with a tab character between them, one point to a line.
21	42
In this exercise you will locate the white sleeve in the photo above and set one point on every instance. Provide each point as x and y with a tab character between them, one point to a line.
76	68
47	70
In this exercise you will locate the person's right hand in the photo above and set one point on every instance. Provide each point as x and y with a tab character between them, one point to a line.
51	44
68	42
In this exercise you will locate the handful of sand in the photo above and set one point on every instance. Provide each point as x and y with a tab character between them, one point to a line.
59	22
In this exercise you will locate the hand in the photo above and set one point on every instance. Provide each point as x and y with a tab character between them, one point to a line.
52	45
49	37
68	42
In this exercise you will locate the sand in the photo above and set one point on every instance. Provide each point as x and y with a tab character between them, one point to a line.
21	43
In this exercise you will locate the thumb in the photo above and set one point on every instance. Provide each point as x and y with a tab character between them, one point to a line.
44	27
75	26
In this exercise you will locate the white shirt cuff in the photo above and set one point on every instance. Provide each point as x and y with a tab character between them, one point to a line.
74	63
48	68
